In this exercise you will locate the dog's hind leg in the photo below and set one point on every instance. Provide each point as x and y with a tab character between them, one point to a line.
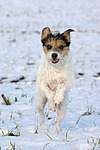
61	113
41	101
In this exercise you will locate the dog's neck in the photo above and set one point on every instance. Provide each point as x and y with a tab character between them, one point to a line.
61	65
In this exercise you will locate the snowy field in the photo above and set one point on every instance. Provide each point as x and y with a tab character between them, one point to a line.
21	23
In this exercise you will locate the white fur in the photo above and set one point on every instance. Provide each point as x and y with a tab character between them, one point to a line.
54	81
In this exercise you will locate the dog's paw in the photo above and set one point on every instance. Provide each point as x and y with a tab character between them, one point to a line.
52	106
53	109
58	99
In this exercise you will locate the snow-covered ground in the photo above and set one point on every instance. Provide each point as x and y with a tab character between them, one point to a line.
21	22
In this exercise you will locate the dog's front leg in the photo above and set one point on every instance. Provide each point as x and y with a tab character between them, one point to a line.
50	95
41	101
59	96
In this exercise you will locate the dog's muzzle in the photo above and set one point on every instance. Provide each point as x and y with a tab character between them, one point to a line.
54	58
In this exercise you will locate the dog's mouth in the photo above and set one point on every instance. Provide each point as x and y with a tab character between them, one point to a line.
55	61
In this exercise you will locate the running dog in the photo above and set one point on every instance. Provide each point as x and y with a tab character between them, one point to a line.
55	75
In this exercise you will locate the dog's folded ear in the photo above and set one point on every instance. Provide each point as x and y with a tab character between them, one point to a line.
67	34
45	32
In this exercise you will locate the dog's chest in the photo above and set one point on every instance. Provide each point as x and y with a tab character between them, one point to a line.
53	77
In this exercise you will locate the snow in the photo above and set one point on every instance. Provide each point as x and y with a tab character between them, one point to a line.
21	23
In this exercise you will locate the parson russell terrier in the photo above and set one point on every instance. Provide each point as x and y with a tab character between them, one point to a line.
55	75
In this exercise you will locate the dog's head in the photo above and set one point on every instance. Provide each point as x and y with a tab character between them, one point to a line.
55	46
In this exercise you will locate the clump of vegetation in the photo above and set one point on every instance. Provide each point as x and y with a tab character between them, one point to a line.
11	147
94	141
89	111
6	100
11	132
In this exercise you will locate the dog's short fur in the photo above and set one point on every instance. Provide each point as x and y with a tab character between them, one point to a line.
55	74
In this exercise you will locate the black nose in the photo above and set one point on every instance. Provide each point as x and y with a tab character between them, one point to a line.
54	55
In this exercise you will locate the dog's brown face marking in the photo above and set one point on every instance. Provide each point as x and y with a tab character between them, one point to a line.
57	42
56	45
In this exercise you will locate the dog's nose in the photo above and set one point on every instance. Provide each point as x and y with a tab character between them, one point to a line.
54	55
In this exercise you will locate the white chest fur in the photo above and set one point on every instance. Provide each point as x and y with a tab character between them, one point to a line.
54	75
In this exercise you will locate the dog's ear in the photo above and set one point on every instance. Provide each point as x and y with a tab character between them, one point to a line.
67	34
45	32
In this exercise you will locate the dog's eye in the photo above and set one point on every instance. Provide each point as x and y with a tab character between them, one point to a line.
48	46
61	47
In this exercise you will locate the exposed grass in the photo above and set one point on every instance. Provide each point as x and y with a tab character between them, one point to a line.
11	116
24	95
11	131
11	147
31	100
89	111
16	99
67	134
6	100
30	63
36	130
45	146
49	136
96	142
17	88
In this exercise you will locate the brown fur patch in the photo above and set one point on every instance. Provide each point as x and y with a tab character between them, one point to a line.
64	51
46	51
55	45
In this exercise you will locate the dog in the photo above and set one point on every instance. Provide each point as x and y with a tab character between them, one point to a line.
55	75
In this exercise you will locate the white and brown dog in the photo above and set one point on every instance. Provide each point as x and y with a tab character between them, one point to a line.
55	75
